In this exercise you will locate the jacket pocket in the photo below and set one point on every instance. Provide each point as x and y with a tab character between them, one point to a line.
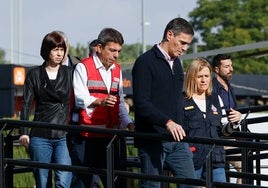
219	154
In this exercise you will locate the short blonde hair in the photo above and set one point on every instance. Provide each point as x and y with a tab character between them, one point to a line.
190	86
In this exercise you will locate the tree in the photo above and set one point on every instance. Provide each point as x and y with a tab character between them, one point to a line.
79	51
127	56
2	56
226	23
130	52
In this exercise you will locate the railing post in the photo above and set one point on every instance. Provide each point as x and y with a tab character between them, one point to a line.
258	164
2	162
209	168
244	153
2	170
110	163
9	170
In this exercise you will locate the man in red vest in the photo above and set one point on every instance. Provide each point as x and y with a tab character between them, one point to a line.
98	92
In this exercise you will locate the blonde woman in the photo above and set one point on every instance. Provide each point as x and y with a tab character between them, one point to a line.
203	112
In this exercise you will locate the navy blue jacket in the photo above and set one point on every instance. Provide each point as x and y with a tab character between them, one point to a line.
157	92
218	89
196	125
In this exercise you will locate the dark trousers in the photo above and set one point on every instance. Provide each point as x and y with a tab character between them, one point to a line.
76	146
91	152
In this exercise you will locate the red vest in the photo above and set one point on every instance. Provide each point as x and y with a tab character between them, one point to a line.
102	116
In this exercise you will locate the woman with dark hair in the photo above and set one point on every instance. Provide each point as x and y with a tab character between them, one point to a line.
50	86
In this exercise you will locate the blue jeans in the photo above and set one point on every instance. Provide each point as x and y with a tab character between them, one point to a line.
50	151
176	155
217	173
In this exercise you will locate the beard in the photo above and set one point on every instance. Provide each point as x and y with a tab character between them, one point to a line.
226	77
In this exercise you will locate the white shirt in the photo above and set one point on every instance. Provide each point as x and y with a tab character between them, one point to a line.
83	99
67	62
167	57
201	103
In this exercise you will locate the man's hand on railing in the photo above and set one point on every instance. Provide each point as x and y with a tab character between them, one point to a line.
24	140
131	127
176	130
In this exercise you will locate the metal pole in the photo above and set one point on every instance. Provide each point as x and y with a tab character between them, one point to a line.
20	31
245	151
258	164
9	170
110	163
2	168
143	27
11	32
209	169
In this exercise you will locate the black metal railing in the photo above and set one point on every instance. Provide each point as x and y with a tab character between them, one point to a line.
250	145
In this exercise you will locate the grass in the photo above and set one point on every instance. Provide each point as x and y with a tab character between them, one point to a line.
23	179
20	180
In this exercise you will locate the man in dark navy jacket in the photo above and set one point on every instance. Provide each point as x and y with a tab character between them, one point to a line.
157	93
223	68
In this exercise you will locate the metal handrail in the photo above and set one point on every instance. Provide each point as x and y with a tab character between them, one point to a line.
244	142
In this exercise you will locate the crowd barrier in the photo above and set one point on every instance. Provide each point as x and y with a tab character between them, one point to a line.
251	146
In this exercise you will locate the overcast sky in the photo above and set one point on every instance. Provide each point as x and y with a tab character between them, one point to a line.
82	20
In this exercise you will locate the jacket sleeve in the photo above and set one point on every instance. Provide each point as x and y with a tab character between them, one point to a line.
142	84
28	95
123	112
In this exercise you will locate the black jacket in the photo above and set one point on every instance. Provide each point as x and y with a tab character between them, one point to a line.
157	93
218	89
74	60
51	99
196	125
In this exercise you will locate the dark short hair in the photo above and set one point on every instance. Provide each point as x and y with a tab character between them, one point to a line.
216	61
51	41
63	35
177	26
110	35
92	44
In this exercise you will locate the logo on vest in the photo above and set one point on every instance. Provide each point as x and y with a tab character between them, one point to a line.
214	109
116	79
